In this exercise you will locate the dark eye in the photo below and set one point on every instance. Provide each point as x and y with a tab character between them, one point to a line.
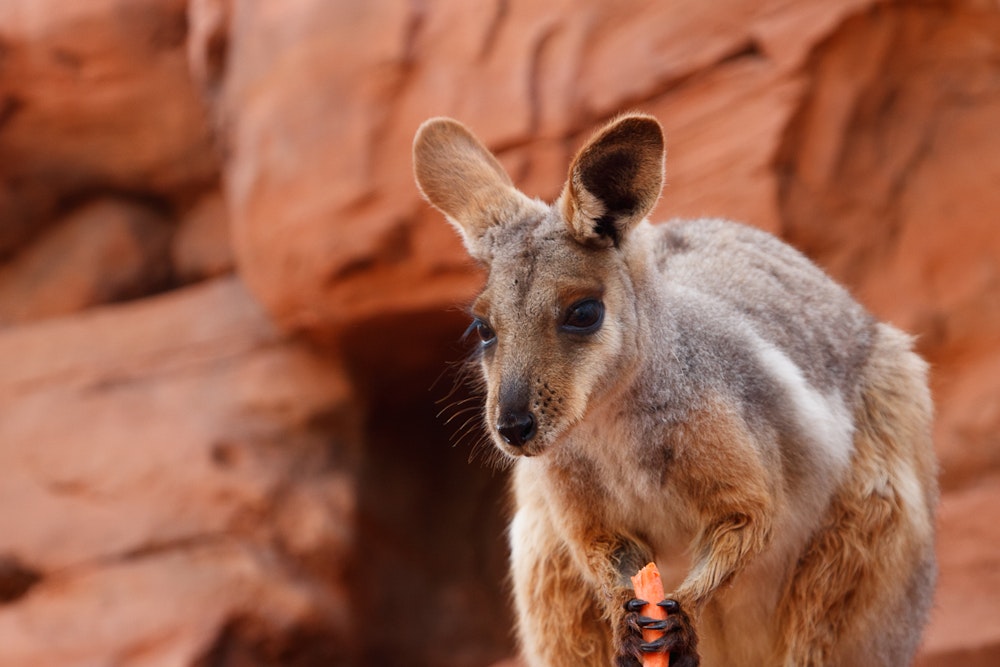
584	317
483	330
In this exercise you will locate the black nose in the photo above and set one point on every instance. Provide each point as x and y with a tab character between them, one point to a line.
516	427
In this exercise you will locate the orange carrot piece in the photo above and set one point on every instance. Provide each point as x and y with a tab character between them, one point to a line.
648	587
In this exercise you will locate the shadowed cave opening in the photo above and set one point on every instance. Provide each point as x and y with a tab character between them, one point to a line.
16	579
430	577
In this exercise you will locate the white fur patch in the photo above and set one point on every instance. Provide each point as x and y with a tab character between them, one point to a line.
911	494
824	419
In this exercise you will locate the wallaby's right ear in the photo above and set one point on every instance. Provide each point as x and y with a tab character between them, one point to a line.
462	179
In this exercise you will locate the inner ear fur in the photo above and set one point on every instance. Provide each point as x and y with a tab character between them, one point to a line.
615	180
460	177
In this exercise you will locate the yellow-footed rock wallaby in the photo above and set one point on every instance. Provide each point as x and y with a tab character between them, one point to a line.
698	394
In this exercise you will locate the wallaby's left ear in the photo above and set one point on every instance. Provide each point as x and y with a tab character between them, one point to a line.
614	180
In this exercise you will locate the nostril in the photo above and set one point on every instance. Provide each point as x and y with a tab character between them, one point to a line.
516	428
529	427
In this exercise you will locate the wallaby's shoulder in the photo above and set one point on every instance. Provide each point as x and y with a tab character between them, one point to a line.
740	273
713	251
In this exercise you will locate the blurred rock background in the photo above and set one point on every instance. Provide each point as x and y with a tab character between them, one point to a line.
227	319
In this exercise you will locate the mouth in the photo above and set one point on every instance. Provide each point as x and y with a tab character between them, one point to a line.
527	450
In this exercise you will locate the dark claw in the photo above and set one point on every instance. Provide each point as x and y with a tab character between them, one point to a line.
635	605
655	646
670	606
647	623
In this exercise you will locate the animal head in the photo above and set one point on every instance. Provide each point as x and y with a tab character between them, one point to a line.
557	319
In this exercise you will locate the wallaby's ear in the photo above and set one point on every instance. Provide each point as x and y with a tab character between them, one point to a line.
462	179
614	180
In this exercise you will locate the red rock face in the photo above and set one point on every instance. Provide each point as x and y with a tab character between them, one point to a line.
225	311
95	98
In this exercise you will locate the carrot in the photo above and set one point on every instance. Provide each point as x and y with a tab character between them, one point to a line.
648	587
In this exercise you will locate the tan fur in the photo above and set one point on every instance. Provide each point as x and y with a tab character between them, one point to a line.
697	393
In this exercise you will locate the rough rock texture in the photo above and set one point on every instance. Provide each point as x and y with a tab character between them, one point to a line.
201	247
95	96
167	474
965	627
213	470
108	250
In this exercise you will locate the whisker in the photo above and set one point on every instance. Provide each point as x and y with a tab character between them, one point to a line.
463	402
460	413
459	404
468	421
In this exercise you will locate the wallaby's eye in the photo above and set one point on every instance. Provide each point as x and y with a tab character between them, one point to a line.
483	330
584	317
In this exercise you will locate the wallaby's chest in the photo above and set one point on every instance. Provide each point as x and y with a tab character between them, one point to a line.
618	478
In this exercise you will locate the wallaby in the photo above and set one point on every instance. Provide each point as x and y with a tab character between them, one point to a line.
698	394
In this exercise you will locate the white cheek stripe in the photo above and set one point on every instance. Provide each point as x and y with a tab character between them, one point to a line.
823	419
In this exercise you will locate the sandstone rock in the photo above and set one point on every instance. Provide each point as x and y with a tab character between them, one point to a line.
173	607
169	457
967	392
730	179
965	627
897	94
201	248
96	94
107	250
208	43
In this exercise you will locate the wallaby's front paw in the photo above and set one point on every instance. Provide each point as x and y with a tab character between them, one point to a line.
679	638
628	653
